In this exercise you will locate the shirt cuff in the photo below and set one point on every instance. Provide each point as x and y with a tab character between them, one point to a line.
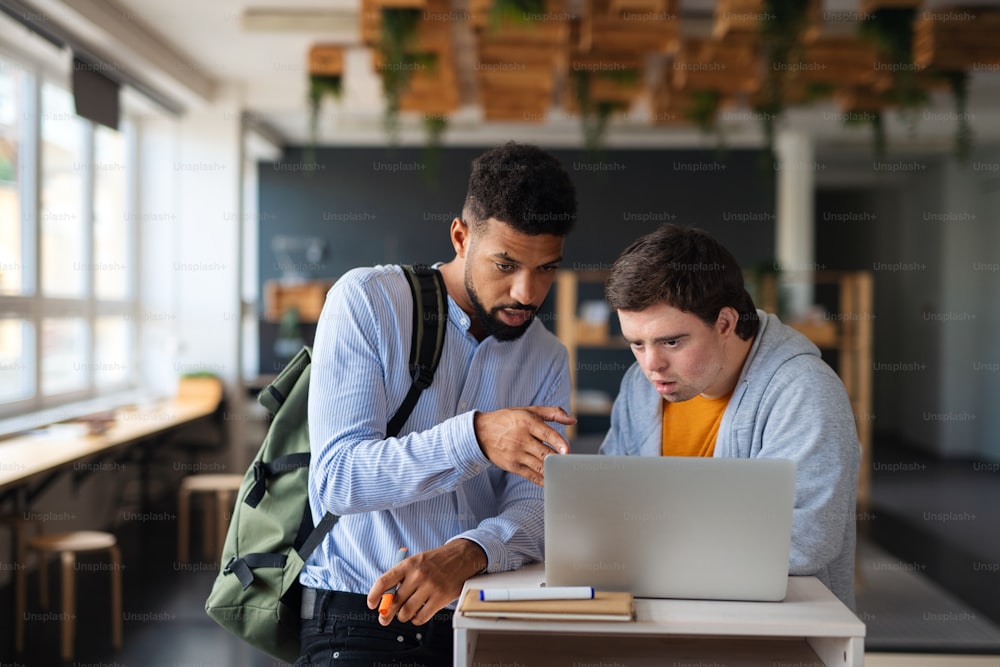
465	454
494	550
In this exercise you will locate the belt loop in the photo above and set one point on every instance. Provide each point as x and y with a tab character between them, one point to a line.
308	602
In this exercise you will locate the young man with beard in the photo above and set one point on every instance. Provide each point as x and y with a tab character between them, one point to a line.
460	487
714	376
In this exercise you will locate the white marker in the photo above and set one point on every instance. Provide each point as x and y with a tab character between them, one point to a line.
547	593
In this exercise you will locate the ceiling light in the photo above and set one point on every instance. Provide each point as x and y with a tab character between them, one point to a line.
342	21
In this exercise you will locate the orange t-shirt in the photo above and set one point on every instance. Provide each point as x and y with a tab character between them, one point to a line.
690	427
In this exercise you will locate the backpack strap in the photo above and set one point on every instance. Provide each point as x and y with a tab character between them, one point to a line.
430	317
264	470
244	566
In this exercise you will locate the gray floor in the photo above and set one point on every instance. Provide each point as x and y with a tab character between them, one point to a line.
905	611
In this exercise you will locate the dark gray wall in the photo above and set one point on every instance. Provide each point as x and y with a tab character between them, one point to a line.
375	205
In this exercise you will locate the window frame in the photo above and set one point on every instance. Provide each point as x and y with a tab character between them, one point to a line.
32	305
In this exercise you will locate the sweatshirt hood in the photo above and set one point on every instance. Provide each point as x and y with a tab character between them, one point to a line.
773	345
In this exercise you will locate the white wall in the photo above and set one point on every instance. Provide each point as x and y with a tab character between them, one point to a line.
158	245
205	269
189	206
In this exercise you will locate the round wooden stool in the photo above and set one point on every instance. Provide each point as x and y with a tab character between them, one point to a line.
19	547
223	490
68	545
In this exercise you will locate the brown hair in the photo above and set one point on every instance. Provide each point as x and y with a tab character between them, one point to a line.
685	268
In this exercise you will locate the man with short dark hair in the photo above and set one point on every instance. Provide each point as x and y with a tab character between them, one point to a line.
460	486
714	376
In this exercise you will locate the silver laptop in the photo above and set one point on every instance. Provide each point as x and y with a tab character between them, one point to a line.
669	527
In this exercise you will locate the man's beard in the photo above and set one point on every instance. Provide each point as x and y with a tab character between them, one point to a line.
493	325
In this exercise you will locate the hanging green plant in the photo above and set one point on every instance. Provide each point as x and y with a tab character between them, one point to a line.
594	115
399	61
515	13
320	87
435	126
891	30
703	112
782	24
817	91
877	123
958	82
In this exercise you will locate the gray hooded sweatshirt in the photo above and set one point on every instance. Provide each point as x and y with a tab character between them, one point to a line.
787	404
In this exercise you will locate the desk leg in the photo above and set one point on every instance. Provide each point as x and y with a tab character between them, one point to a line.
839	651
465	646
20	550
145	458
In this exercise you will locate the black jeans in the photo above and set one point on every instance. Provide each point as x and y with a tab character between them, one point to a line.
343	631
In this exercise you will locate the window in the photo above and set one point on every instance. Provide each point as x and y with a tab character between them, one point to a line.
16	379
67	278
62	205
12	256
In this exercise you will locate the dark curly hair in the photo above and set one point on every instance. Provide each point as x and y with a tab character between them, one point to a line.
522	186
685	268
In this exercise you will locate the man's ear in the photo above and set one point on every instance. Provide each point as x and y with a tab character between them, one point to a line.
461	237
727	320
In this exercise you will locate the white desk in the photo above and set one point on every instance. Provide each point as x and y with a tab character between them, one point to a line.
810	627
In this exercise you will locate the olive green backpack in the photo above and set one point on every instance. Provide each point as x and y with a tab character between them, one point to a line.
257	595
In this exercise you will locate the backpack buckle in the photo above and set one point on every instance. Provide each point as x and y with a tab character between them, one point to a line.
258	471
422	376
228	567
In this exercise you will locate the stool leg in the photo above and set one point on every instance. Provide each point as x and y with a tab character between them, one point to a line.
43	579
20	593
116	597
223	501
183	517
68	604
207	527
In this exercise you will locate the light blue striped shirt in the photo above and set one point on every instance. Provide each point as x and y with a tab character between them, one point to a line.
432	483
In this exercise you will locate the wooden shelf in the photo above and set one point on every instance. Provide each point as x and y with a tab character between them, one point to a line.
307	297
569	327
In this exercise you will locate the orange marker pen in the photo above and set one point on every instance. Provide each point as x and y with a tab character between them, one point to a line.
390	595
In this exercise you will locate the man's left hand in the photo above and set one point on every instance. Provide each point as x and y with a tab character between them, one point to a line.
428	581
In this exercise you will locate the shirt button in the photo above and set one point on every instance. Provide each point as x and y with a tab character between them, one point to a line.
462	405
399	638
419	636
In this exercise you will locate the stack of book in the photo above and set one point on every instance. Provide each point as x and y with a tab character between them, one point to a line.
602	606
